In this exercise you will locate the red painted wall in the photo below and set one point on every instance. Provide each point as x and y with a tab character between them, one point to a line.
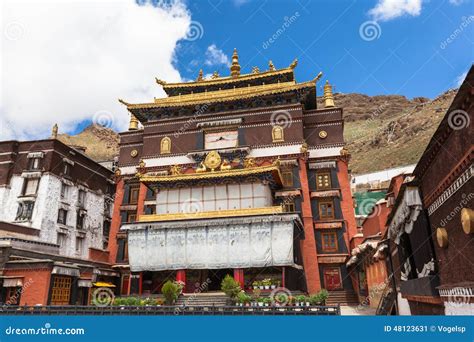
36	283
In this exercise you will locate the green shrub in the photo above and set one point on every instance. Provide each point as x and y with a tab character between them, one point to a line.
323	296
170	291
230	287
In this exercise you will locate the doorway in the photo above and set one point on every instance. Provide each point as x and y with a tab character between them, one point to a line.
332	278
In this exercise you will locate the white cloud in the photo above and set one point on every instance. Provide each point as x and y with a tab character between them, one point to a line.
390	9
460	79
456	2
66	61
215	56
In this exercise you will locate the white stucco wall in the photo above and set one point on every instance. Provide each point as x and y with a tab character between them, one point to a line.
45	213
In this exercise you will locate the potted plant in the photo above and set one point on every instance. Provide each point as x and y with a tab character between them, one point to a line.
171	291
230	287
266	283
255	284
267	301
260	301
323	296
300	300
273	285
242	298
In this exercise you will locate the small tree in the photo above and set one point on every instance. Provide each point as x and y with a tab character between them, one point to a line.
230	287
170	291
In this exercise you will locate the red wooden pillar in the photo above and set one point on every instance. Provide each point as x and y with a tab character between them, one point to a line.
140	284
308	245
181	276
141	200
239	277
283	274
129	284
116	221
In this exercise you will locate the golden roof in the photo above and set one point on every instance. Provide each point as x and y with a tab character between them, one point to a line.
223	95
222	80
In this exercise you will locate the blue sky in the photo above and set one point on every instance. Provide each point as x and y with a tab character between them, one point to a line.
408	54
67	62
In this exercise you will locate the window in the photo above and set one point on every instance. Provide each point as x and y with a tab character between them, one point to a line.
131	218
134	195
287	178
329	242
326	209
61	240
30	186
106	229
80	218
289	206
79	244
108	207
323	181
61	290
66	169
228	139
81	197
64	191
62	216
34	164
25	211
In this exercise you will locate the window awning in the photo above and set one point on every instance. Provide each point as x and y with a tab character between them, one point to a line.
13	282
84	283
67	271
103	284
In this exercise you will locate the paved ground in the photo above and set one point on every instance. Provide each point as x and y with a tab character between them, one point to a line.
357	310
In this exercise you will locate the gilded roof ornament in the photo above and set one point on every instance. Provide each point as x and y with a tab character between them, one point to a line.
54	131
213	160
255	70
175	170
235	67
123	102
200	76
294	64
215	75
271	67
160	82
133	126
328	98
318	77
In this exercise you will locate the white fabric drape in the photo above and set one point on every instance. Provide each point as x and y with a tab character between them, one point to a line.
155	247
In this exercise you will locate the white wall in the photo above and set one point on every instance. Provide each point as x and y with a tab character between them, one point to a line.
45	213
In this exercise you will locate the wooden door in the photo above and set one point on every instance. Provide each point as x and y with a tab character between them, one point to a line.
332	278
61	291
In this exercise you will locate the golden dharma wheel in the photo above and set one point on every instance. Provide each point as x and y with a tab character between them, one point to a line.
134	153
442	237
467	220
213	160
323	134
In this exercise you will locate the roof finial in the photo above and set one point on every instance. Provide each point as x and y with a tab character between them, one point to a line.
54	131
271	67
235	67
294	63
328	98
200	76
133	126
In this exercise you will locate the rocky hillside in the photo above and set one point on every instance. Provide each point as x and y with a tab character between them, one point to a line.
100	143
381	131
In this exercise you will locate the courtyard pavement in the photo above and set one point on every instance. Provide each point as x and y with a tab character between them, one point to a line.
357	310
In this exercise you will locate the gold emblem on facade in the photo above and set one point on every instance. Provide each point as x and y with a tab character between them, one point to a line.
442	237
142	164
249	162
467	220
323	134
226	165
213	160
175	170
134	153
201	168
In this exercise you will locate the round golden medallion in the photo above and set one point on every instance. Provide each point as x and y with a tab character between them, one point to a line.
134	153
213	160
442	237
323	134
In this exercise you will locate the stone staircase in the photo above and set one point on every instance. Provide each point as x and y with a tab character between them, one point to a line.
342	297
202	299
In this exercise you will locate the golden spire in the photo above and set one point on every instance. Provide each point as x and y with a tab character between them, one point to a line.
200	76
133	123
271	67
328	98
235	67
54	131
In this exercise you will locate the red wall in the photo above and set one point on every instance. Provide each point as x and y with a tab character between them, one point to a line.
36	283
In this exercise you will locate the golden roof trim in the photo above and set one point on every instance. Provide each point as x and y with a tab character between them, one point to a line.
211	214
210	174
227	79
223	95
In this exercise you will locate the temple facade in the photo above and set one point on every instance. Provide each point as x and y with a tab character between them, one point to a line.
240	175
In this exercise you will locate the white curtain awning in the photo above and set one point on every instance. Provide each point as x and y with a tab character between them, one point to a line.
84	283
406	214
230	244
13	282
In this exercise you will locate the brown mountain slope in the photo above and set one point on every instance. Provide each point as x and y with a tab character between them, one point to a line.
101	143
381	131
